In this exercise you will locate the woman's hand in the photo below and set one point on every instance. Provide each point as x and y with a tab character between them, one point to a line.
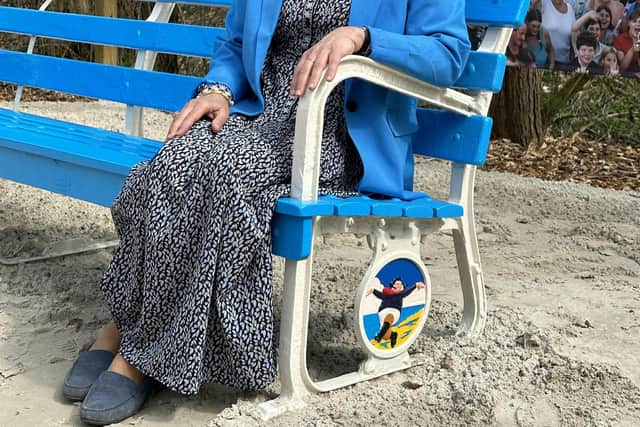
214	106
327	53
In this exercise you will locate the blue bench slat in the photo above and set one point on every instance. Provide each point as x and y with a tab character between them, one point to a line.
351	206
130	33
392	207
154	89
420	208
424	207
111	152
450	136
483	71
198	2
446	210
292	207
496	13
69	179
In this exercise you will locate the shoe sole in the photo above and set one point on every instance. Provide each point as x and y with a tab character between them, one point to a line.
74	394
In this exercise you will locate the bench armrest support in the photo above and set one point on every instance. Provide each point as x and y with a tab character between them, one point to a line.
310	114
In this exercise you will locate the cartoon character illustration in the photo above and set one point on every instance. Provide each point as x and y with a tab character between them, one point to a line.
391	298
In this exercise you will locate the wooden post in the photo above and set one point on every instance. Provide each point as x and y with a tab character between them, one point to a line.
106	54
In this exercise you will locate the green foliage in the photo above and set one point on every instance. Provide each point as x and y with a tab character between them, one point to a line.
596	108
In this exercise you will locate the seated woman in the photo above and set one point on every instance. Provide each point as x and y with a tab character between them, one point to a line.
190	286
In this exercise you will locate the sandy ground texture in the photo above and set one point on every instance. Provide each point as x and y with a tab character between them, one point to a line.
561	345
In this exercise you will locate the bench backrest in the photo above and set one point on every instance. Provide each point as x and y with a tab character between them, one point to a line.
483	73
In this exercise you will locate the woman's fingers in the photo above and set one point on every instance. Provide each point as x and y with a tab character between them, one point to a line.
196	113
216	109
301	73
178	119
334	62
318	68
220	117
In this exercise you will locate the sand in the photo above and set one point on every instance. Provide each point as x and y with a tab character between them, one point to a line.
561	345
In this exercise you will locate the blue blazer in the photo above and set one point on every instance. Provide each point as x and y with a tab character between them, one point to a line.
424	38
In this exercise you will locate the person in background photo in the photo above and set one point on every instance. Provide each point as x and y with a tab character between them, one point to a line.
609	62
538	40
516	42
588	23
579	7
586	45
558	18
616	8
628	46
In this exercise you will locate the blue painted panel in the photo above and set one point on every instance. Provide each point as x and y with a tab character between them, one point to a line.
483	71
446	210
288	206
497	13
120	84
78	181
131	33
451	136
291	237
70	143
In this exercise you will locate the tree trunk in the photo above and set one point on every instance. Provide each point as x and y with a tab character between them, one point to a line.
517	108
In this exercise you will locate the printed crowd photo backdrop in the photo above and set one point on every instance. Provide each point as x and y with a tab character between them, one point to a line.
584	36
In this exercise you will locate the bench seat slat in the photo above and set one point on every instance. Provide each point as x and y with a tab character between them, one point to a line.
130	33
153	89
424	207
293	220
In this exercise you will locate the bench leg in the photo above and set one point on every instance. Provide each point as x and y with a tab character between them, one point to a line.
471	278
467	253
294	377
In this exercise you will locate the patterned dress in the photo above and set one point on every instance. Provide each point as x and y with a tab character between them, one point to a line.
190	285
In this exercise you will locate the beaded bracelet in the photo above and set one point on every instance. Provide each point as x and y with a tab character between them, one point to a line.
209	88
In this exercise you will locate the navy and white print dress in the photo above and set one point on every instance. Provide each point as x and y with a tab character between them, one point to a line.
190	285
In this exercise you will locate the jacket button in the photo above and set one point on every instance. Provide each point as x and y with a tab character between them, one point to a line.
352	106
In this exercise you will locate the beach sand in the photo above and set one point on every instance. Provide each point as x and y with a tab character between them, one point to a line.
561	264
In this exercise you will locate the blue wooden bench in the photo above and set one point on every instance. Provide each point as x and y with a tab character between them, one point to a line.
91	164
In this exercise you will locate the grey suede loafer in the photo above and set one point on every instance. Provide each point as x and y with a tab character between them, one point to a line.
84	372
113	398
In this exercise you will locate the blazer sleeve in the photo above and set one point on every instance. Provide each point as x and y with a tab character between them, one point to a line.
226	64
435	45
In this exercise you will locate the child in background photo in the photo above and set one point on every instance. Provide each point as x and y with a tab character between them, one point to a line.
609	62
588	23
586	45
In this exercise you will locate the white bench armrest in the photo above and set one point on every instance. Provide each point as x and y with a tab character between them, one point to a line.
310	114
